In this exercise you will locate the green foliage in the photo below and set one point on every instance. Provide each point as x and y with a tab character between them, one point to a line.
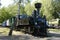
13	9
49	8
56	5
4	15
29	8
8	12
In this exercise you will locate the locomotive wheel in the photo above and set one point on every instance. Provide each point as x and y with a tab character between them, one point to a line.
42	32
35	32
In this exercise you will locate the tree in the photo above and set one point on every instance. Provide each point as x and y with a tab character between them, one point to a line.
21	4
47	9
56	5
4	15
29	9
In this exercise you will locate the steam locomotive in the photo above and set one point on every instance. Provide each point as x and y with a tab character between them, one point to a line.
34	24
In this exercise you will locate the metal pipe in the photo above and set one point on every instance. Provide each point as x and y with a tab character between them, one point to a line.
19	7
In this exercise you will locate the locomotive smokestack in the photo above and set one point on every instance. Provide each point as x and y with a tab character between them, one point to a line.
38	6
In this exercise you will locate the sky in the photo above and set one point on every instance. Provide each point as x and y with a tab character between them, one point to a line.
5	3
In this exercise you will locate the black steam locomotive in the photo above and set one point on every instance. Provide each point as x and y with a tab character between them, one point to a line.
34	24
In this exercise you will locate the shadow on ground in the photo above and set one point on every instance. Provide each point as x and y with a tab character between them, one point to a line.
20	37
53	35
